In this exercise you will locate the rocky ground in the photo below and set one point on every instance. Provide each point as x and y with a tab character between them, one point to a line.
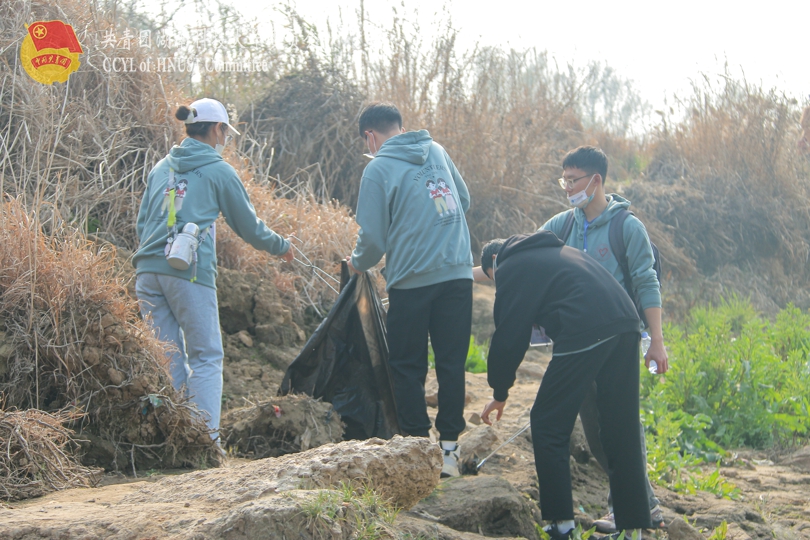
277	497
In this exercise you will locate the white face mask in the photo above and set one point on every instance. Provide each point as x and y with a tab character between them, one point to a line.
371	153
580	199
219	148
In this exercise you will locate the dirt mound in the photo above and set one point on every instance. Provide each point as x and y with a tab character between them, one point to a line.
283	425
259	337
249	303
71	339
799	460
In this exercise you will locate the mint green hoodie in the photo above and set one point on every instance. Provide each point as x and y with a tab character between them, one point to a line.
212	187
639	253
411	209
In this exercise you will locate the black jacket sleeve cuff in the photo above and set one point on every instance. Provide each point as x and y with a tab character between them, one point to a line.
500	395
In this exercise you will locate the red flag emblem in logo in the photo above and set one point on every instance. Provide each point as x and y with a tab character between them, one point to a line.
54	35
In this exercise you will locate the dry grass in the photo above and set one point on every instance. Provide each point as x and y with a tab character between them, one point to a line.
39	455
324	233
71	339
726	187
302	136
80	152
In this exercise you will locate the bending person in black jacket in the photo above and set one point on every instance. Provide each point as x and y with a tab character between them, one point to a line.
595	330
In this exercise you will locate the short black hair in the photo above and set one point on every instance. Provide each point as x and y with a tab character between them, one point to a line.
382	117
490	248
588	158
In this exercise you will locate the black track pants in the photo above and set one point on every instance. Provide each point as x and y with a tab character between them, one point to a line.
444	311
614	366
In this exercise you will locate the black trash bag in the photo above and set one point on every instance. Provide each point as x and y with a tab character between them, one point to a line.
345	362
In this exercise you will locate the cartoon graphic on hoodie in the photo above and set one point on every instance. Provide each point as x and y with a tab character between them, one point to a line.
217	191
180	187
449	200
437	196
180	193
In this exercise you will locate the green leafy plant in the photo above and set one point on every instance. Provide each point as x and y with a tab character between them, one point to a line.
476	357
735	379
720	532
747	375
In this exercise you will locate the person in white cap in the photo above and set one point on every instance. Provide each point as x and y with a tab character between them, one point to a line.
176	264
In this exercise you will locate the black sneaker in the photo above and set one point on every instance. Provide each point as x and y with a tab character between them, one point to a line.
554	533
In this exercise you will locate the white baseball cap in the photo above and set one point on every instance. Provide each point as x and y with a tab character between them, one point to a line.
209	110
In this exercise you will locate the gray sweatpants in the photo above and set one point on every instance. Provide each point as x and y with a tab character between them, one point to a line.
186	314
589	415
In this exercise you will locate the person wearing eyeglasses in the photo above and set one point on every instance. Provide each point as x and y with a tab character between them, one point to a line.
176	261
585	170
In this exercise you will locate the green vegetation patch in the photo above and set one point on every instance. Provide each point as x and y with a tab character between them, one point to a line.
476	357
736	380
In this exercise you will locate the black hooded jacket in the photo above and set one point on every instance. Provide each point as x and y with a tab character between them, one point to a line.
541	281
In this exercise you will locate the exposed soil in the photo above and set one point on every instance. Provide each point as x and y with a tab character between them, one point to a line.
774	501
775	498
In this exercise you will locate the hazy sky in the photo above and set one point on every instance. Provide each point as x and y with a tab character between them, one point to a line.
658	45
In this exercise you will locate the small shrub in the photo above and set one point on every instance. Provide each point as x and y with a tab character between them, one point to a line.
476	357
358	510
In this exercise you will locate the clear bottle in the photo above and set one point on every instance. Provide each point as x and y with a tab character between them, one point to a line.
646	340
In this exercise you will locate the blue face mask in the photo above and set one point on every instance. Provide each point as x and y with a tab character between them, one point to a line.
580	199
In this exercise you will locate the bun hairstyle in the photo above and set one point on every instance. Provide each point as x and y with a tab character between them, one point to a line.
195	129
183	113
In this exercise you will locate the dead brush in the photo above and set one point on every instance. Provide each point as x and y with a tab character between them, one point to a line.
39	455
728	188
80	151
324	233
72	339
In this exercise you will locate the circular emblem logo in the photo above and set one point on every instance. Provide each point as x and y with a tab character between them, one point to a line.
50	52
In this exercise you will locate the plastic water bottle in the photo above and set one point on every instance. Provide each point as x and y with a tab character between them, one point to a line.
646	340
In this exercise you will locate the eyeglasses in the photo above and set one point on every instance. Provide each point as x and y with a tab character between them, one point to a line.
569	184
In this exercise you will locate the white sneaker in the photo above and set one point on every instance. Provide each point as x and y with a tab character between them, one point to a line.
450	466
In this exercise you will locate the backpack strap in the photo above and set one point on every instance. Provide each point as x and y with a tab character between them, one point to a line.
618	247
568	226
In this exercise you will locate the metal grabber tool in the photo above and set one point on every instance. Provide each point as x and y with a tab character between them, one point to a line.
510	439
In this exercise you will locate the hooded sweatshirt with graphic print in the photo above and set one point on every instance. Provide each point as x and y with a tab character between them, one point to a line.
411	209
595	241
205	185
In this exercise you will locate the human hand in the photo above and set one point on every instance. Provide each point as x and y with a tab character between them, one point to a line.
493	405
657	352
289	255
352	268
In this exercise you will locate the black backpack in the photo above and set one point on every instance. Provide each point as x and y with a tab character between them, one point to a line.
619	249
